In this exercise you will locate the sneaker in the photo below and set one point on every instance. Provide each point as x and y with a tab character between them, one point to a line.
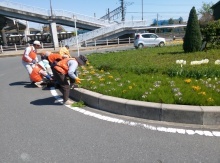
38	84
68	102
71	85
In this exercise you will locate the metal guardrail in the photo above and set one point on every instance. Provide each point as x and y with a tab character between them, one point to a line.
95	43
102	31
22	47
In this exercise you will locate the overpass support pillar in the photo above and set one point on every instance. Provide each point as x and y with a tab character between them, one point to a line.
4	37
53	30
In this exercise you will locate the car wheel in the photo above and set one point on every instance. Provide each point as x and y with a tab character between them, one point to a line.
140	46
161	44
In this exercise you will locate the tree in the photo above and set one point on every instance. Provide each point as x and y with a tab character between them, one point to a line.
192	39
171	21
206	9
180	20
205	13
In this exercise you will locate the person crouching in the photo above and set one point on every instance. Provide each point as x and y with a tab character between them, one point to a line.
39	74
65	69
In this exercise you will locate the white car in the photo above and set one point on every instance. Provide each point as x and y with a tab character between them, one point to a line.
148	39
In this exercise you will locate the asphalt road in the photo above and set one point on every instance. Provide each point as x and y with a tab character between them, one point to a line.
33	128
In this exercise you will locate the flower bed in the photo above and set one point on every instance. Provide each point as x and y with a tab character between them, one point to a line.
163	75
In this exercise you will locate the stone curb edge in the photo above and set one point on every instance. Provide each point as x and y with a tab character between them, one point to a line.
199	115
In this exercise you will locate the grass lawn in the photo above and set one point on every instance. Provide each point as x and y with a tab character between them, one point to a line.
160	74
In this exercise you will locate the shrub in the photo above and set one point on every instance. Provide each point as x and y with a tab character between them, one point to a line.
192	39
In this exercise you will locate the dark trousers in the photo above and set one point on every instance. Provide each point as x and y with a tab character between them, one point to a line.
63	82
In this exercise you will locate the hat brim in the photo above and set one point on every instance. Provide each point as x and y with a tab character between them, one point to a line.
42	66
80	61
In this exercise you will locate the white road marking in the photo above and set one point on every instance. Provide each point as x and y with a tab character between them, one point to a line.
135	124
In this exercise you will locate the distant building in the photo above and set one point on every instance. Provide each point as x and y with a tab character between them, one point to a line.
216	10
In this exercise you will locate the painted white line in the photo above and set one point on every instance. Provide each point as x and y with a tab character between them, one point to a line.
135	124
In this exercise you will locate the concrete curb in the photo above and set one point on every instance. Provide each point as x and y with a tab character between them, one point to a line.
200	115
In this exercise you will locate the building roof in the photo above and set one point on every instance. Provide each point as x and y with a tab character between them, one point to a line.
214	6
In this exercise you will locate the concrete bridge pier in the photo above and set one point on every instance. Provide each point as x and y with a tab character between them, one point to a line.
2	26
5	42
53	30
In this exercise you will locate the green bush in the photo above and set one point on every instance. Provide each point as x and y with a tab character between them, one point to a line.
192	40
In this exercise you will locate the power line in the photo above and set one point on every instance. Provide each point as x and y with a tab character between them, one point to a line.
161	12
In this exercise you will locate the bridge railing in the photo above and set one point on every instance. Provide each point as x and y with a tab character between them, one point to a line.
86	18
46	12
102	31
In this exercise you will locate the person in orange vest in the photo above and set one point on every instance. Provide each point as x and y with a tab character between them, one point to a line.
39	74
29	58
64	52
68	68
53	58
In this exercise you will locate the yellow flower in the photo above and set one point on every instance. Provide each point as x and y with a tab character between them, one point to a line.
210	99
124	91
83	67
92	72
188	81
101	70
92	82
196	88
202	93
130	87
101	79
110	77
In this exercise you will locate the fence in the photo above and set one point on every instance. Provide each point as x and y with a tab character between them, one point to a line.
94	43
22	47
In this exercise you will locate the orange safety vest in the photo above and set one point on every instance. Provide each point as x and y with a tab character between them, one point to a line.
32	55
35	75
62	66
54	57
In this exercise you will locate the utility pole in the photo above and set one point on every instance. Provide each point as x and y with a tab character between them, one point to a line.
157	19
122	10
142	11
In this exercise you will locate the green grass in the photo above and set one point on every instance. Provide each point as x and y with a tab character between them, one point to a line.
151	74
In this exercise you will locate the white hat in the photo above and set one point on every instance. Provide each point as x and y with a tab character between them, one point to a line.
37	43
42	65
46	63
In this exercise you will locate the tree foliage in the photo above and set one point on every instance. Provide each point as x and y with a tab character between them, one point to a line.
211	33
206	9
192	39
205	13
171	21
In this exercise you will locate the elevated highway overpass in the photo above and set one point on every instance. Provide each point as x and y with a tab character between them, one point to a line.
99	28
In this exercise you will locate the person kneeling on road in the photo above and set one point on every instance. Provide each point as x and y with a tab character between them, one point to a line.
65	69
29	58
39	74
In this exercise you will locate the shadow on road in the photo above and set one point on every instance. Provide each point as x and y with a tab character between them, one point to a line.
45	101
20	83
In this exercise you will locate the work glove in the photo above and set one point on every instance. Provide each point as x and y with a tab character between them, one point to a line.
48	77
77	80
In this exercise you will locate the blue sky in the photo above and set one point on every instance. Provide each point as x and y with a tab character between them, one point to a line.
164	9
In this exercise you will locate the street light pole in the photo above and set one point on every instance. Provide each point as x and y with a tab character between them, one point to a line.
51	10
142	11
77	44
